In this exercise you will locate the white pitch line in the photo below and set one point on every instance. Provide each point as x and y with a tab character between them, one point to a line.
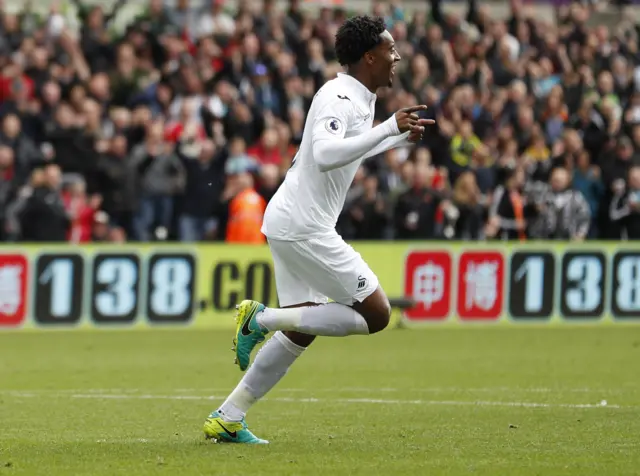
420	390
346	389
122	440
361	400
477	403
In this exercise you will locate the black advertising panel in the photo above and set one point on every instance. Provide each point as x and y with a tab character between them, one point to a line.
625	285
583	285
114	288
170	287
532	285
58	289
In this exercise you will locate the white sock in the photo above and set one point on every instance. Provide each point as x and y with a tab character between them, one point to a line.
271	364
333	319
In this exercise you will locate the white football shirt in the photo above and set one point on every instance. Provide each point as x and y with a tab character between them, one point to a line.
338	136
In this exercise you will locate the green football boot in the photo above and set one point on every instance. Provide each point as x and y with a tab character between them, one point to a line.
215	428
248	332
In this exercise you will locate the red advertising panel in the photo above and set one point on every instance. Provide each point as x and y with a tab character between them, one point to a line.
13	289
428	282
480	285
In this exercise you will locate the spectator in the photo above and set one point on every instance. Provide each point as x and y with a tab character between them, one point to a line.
288	148
616	162
204	169
183	17
242	121
116	183
51	98
15	85
587	181
269	181
80	210
625	207
464	214
246	210
393	174
129	79
465	145
6	182
554	115
369	212
73	149
161	177
485	174
238	158
537	150
187	121
26	154
267	150
564	213
14	209
43	216
509	209
417	76
215	21
415	212
95	39
155	19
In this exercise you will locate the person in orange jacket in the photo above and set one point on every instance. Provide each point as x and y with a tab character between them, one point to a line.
246	210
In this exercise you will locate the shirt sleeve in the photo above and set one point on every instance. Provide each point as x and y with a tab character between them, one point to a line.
331	149
388	144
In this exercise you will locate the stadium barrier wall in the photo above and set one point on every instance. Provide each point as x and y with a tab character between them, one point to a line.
145	285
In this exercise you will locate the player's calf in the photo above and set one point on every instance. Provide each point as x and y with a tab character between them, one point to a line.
298	338
332	319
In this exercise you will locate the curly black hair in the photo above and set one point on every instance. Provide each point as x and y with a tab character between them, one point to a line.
356	36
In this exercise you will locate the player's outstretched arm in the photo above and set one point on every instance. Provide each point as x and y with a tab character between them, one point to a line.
388	144
332	150
408	138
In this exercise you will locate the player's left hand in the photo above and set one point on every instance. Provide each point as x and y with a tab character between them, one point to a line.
418	130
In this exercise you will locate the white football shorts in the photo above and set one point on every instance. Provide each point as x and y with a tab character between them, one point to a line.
320	269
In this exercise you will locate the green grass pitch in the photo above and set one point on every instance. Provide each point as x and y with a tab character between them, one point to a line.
440	401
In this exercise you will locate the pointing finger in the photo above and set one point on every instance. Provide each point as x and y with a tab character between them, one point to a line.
426	122
415	108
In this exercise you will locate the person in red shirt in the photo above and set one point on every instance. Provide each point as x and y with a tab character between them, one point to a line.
81	210
186	124
15	84
268	150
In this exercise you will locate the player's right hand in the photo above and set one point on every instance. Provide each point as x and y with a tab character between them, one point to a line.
407	118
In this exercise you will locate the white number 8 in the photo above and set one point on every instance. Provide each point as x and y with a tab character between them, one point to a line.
628	292
170	287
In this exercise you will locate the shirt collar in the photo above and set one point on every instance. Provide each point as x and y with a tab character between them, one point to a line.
362	91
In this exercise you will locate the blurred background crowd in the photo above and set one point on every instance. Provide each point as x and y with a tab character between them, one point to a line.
182	125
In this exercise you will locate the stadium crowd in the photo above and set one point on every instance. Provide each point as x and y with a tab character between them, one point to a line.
183	126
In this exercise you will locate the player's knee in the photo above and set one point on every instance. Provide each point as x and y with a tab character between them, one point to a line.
379	318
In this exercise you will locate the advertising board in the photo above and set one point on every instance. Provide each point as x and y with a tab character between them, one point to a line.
175	285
